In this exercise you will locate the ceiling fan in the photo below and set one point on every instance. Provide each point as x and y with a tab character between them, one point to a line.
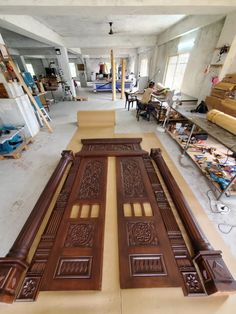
111	31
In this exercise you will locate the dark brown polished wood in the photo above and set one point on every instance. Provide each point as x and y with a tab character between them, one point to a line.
76	259
192	285
151	246
145	256
216	276
31	284
15	263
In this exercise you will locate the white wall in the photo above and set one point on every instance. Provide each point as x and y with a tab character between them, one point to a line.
164	52
206	39
92	65
201	55
145	53
37	66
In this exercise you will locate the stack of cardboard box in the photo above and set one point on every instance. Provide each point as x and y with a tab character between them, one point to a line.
223	96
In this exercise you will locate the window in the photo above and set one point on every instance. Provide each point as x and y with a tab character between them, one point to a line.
175	71
144	67
30	68
72	69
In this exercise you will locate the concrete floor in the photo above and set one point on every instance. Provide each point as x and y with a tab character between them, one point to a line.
23	180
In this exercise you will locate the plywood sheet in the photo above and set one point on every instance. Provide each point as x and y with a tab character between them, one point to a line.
97	118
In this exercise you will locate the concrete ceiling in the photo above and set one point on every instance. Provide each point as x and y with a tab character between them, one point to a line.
84	23
128	25
15	40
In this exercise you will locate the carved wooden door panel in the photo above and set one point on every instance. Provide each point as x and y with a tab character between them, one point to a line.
145	255
76	259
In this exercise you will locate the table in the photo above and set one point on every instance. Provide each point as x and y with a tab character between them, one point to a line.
221	135
170	100
197	119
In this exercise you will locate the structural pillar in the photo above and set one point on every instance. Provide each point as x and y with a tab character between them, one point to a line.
122	78
63	62
20	60
113	69
81	74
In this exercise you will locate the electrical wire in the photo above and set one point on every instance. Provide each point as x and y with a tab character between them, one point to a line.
222	225
212	202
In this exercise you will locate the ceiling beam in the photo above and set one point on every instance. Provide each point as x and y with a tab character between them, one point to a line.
110	41
186	25
30	27
153	7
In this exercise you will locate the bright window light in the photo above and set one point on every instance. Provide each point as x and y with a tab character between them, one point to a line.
30	68
186	45
144	67
175	71
72	69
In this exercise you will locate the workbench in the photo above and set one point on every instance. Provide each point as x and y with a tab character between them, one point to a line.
219	134
164	102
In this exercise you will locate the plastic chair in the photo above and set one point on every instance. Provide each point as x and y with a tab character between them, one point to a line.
129	99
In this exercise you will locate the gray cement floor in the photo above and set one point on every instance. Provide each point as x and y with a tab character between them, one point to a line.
23	180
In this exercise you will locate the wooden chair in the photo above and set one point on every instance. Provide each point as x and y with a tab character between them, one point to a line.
130	99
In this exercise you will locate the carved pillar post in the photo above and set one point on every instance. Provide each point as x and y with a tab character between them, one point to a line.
15	263
113	69
122	78
215	274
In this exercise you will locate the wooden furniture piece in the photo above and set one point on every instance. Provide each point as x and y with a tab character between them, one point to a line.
215	274
149	236
152	250
75	262
15	263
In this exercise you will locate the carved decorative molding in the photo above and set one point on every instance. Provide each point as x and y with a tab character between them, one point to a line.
145	255
182	256
90	187
75	262
152	250
215	274
14	264
133	184
147	265
74	268
80	235
112	147
43	251
142	233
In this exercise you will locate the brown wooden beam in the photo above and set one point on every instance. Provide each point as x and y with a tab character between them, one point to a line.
122	78
15	263
215	274
113	69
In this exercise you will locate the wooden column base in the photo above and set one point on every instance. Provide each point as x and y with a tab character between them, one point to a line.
11	270
215	274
